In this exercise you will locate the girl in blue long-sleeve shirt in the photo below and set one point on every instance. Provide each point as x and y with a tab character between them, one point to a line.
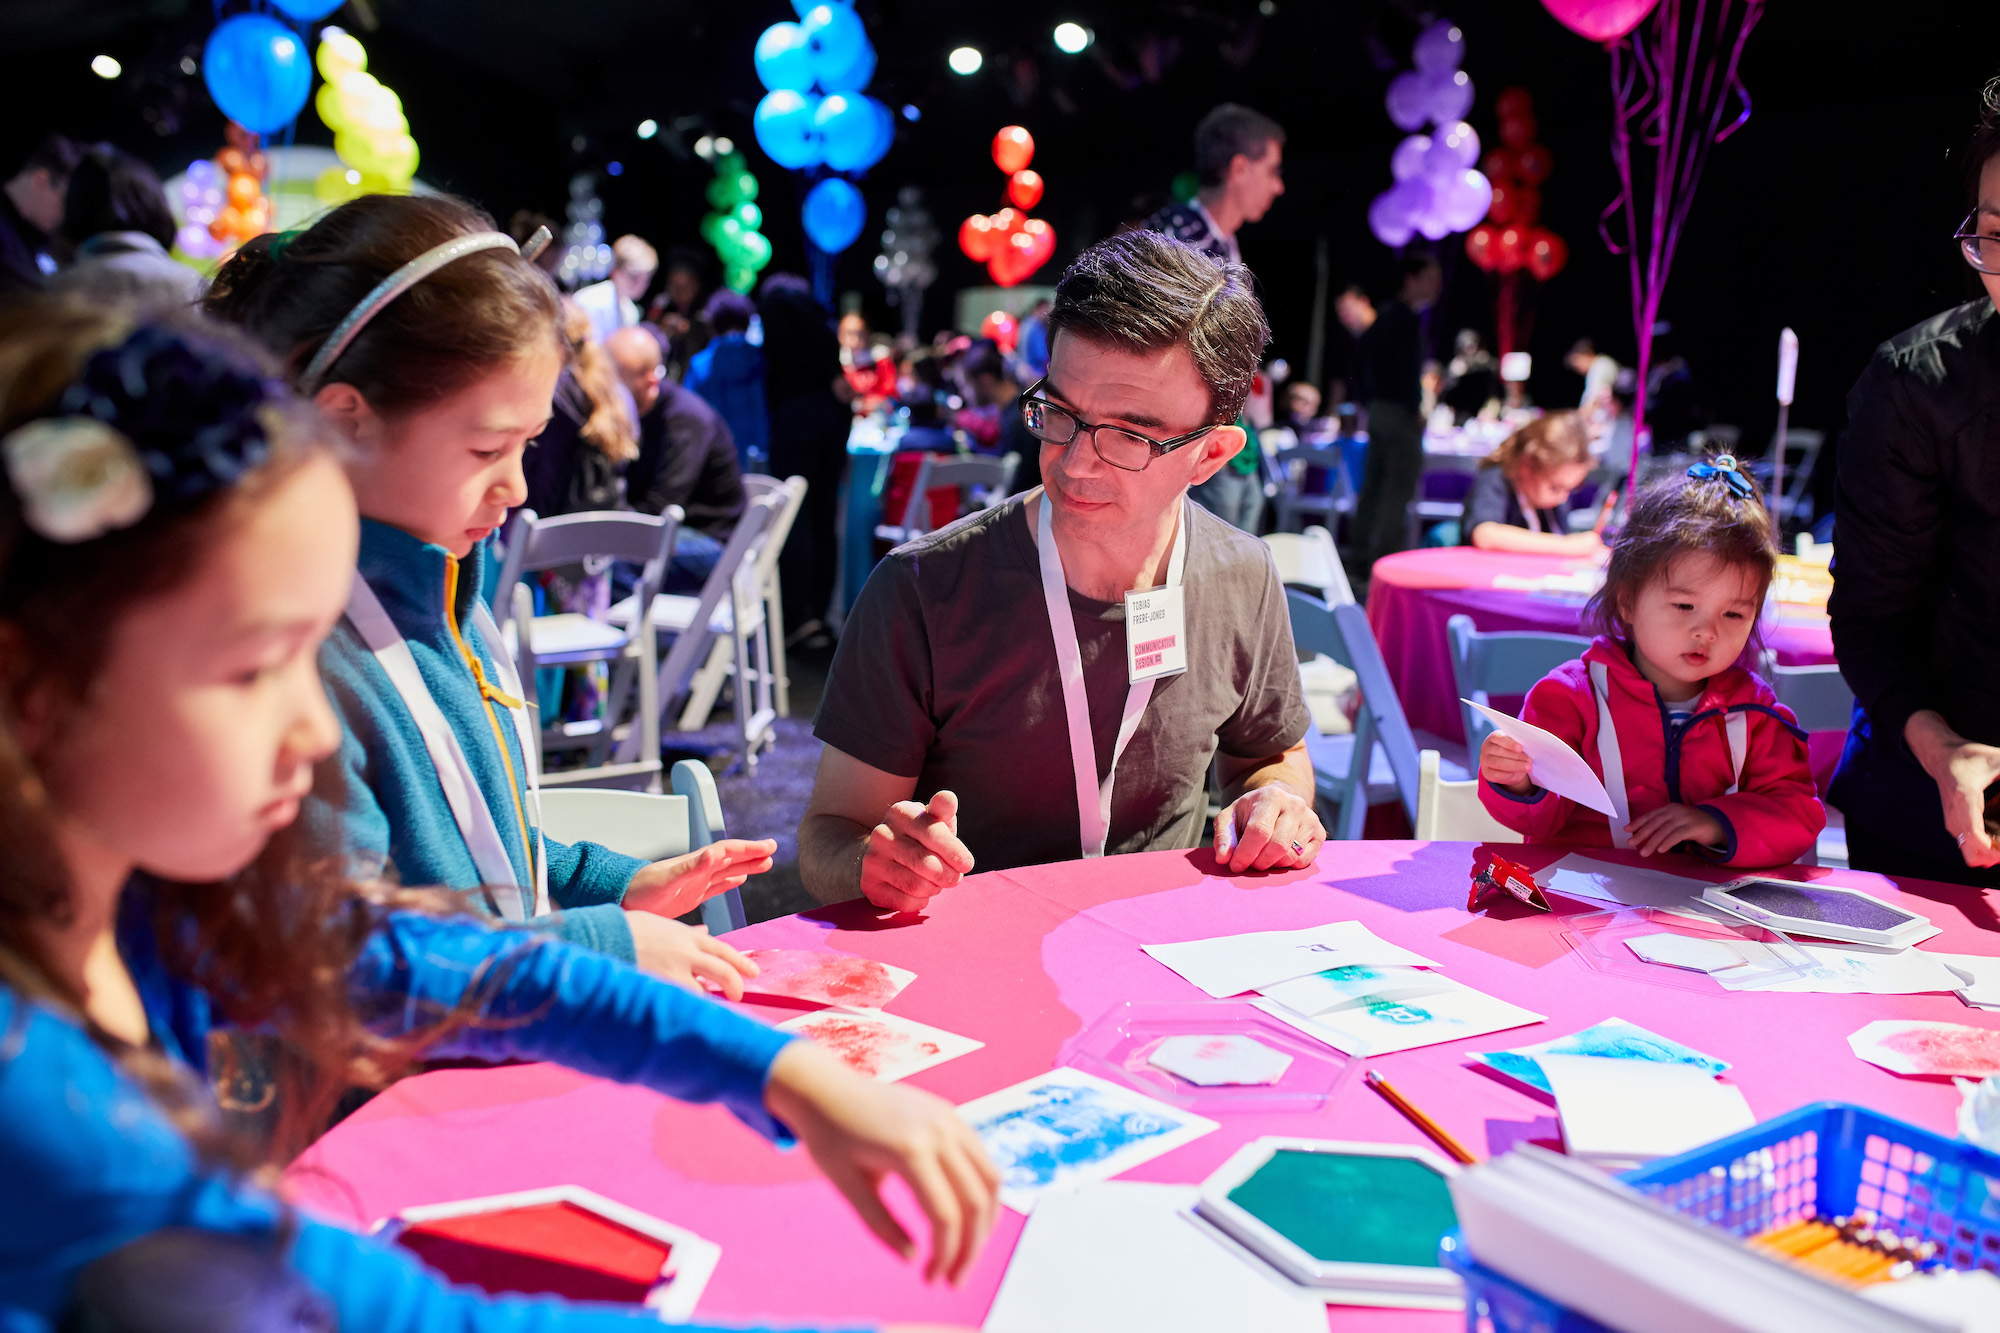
174	545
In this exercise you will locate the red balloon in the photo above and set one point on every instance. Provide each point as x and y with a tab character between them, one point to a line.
1514	102
978	237
1506	204
1042	238
1024	188
1534	163
1547	253
1510	249
1013	149
1517	131
1502	164
1008	221
1002	328
1527	206
1600	20
1481	246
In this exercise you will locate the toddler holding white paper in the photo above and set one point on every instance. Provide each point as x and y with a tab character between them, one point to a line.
1695	751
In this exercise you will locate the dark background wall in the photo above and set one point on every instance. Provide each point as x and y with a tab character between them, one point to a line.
1829	211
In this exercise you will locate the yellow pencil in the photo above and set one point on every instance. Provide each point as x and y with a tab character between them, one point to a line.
1435	1131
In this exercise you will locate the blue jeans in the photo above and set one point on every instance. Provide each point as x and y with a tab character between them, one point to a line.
1233	497
695	557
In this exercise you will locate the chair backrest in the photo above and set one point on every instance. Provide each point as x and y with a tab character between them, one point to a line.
649	826
535	543
1507	662
792	491
982	482
1327	455
1309	559
1817	695
732	577
1451	811
1342	633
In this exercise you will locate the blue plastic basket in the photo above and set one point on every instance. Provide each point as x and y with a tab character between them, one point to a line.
1827	1159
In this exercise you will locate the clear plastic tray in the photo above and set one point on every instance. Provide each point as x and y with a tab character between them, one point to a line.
1119	1043
1599	938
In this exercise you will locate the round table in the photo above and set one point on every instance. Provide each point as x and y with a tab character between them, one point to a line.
1023	960
1412	594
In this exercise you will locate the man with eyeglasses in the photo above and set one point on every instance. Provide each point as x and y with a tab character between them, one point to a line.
1050	678
1916	596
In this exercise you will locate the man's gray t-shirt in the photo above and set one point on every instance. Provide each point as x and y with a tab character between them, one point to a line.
946	672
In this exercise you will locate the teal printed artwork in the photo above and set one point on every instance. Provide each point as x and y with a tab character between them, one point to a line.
1398	1011
1063	1128
1351	1208
1613	1039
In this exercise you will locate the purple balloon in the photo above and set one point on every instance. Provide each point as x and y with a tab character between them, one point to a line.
1446	96
1387	220
1416	197
1408	101
1453	148
1440	48
1410	156
1464	199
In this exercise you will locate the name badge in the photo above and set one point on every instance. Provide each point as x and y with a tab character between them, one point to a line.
1155	634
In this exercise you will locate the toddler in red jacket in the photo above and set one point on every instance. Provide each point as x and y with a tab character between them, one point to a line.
1695	752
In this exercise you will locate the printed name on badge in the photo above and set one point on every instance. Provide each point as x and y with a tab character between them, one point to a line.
1155	644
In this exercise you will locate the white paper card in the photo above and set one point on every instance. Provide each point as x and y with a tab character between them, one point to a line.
1630	886
1155	634
1686	951
1621	1111
1231	964
1851	971
1066	1128
885	1047
1979	975
1551	763
1223	1058
1124	1255
1339	987
1401	1025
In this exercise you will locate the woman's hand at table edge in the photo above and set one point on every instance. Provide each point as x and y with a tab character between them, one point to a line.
1963	770
680	884
860	1132
1504	763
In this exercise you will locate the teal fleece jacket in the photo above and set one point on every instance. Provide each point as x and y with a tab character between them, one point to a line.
379	802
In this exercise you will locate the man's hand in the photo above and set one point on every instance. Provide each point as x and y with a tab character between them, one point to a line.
1963	770
860	1132
1268	827
1671	825
1504	763
914	854
680	884
687	955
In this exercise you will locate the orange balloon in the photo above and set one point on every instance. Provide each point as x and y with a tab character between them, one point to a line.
1024	188
1013	149
232	161
243	190
978	237
257	165
227	223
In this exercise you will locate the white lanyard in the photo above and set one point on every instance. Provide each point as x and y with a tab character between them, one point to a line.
1737	728
1531	517
454	770
1093	796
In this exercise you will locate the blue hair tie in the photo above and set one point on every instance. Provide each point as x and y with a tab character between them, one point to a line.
1724	466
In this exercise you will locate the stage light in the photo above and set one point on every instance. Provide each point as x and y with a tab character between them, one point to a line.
1072	37
648	128
104	67
615	168
724	145
911	113
188	66
353	176
704	148
966	60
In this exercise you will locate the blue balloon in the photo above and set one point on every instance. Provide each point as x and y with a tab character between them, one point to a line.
854	77
805	7
258	71
839	45
784	126
309	11
783	59
834	215
850	130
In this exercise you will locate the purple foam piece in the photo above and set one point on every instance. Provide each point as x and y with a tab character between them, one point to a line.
1834	907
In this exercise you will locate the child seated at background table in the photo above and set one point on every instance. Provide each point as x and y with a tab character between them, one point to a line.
175	543
1693	750
1519	500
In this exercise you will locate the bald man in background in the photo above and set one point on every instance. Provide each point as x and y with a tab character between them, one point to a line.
687	457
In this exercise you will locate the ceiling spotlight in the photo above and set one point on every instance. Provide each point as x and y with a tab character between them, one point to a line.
910	112
724	145
104	67
188	66
615	168
648	128
965	60
1267	7
1072	37
704	148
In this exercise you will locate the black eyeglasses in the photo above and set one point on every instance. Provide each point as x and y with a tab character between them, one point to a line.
1982	252
1125	449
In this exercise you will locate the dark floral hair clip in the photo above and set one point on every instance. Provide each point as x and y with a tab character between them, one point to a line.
1724	466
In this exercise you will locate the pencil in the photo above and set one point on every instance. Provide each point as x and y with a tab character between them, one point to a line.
1429	1126
1604	514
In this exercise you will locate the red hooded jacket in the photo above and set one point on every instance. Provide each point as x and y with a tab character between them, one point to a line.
1772	819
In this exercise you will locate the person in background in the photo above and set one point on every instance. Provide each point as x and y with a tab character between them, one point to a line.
728	373
990	383
614	303
1298	407
923	392
31	214
1388	380
677	310
117	218
868	365
1519	500
1355	314
1471	377
686	458
1239	156
592	436
809	426
1600	375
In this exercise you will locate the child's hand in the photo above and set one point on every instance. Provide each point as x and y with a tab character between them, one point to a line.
687	955
680	884
1504	763
1583	544
1670	825
861	1131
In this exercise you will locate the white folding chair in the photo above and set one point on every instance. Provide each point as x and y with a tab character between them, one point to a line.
1502	663
1308	559
649	826
571	639
1292	501
982	482
794	491
1817	695
1451	811
1346	770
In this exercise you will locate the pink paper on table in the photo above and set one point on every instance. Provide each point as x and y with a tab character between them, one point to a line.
837	979
1911	1046
882	1046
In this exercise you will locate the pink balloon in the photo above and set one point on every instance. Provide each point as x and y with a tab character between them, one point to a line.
1600	20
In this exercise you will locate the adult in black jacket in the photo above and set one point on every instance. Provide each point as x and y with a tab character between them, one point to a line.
1916	599
686	457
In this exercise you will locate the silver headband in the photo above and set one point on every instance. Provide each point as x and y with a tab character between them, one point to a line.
404	278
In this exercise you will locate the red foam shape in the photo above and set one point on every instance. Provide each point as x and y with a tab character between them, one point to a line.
555	1249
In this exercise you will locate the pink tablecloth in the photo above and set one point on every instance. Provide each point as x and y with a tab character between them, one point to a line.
1412	595
1023	960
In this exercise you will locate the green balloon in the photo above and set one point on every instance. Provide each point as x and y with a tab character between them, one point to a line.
1186	186
740	279
746	186
731	227
751	216
711	228
722	193
755	249
731	163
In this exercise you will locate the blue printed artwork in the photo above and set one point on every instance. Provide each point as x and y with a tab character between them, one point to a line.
1613	1039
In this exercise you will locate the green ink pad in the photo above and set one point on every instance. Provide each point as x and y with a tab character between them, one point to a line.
1358	1222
